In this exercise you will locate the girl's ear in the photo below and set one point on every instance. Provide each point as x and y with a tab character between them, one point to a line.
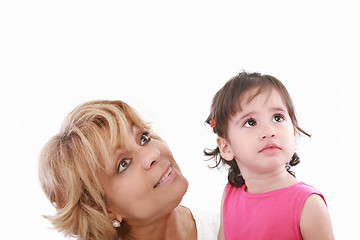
225	149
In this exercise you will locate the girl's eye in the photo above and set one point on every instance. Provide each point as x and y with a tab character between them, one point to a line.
123	165
250	123
145	137
278	118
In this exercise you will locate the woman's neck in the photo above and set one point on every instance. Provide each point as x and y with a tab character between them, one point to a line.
260	183
178	225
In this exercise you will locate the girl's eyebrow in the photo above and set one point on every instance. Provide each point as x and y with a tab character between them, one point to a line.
278	109
245	116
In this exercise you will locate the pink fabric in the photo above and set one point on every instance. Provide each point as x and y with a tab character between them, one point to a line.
270	215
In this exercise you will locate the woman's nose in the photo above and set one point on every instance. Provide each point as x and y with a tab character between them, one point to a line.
149	157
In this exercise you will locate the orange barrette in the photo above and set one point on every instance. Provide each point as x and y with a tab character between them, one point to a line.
212	123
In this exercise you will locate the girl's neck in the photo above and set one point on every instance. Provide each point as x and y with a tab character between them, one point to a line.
269	182
178	224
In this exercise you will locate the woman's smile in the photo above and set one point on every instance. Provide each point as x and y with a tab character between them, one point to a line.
168	176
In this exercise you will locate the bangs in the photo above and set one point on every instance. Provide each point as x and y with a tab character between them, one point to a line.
105	126
117	120
248	95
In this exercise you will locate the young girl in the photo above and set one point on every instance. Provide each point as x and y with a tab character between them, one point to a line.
254	118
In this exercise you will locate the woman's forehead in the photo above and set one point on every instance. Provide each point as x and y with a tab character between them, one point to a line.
125	135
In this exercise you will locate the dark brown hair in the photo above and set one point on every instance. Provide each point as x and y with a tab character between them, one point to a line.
226	103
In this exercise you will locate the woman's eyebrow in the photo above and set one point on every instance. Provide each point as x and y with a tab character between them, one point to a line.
132	132
114	158
135	130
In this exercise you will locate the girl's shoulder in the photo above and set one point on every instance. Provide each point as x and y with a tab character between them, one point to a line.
315	218
308	190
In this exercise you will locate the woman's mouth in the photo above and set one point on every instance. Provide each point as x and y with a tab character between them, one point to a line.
164	177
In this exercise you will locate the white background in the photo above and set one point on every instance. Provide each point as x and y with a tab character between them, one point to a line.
167	59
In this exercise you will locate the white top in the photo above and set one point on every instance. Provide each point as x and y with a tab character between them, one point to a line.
207	224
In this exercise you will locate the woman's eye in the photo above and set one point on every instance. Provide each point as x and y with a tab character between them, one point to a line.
145	137
278	118
250	123
123	165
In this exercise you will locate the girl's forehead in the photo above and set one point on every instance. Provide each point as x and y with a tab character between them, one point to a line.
249	95
256	93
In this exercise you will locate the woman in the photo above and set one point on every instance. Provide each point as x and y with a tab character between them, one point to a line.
110	177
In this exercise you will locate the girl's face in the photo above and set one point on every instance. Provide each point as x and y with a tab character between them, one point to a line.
261	137
143	182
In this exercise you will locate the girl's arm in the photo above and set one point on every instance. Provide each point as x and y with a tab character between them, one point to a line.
315	220
221	230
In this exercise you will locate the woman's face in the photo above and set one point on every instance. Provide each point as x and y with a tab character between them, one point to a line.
143	182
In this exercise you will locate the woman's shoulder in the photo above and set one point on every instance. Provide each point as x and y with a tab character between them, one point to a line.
207	223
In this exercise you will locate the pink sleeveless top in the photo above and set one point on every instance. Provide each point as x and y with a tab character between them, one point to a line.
270	215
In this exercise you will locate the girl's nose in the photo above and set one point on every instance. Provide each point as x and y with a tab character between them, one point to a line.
268	132
268	136
149	157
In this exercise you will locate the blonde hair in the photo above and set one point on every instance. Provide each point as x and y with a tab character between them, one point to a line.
71	160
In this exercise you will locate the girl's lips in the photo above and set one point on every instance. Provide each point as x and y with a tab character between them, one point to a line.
164	176
270	148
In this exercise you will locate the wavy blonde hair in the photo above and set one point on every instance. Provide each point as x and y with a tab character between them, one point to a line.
71	160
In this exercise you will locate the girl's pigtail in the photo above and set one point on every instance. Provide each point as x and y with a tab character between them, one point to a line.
295	160
213	154
234	177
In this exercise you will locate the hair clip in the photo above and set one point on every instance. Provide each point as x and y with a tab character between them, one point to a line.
212	123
